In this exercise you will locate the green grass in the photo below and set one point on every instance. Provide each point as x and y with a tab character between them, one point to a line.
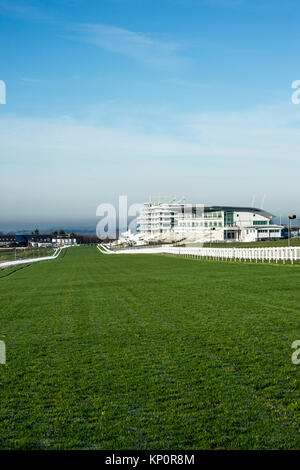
10	254
149	352
294	242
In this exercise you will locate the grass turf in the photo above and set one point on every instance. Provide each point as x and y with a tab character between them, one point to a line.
10	254
149	352
268	244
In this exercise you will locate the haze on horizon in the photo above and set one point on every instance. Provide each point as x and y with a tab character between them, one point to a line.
136	98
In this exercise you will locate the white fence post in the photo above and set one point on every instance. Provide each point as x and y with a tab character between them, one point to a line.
220	254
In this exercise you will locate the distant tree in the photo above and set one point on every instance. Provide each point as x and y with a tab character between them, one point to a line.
36	232
87	239
62	232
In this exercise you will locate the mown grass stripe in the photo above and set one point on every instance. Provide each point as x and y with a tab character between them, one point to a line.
149	352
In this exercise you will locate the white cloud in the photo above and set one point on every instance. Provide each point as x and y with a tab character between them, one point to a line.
23	10
214	157
141	47
30	80
244	135
146	48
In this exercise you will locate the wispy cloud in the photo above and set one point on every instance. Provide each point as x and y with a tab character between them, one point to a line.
141	47
30	80
245	5
262	132
225	3
23	11
203	155
146	48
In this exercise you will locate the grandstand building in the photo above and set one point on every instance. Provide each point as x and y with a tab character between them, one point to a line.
177	222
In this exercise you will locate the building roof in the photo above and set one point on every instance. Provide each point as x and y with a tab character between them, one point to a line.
5	238
179	206
258	227
239	209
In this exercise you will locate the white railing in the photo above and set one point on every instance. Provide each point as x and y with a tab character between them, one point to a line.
7	264
285	254
105	250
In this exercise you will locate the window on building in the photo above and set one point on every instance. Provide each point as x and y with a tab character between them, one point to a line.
228	219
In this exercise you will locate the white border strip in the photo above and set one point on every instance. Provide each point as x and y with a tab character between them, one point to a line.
231	254
6	264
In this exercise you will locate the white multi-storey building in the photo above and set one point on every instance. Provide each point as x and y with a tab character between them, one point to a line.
156	219
175	221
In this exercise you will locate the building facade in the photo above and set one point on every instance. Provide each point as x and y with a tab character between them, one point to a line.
64	240
163	221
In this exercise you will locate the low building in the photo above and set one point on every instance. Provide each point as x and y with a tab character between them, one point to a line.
8	240
269	232
35	241
64	240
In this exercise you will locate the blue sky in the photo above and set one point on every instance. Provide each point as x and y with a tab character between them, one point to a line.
177	97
